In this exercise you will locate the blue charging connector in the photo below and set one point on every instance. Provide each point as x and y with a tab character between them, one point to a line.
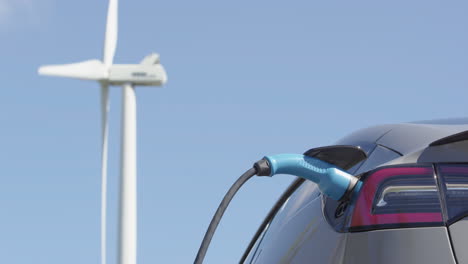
331	180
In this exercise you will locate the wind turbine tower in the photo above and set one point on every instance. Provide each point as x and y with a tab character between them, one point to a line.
148	73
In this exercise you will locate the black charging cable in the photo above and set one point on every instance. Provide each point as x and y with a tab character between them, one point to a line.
219	213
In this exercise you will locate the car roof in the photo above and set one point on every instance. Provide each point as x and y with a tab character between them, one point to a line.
405	138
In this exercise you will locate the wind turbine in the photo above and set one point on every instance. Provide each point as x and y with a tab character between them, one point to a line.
148	73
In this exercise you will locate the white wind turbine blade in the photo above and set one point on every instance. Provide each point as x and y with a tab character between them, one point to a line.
110	41
105	134
86	70
110	45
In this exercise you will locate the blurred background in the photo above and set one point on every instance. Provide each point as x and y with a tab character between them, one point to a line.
246	79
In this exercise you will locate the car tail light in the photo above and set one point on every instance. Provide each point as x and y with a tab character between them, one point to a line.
397	197
454	179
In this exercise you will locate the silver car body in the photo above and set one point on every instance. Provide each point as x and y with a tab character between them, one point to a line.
299	229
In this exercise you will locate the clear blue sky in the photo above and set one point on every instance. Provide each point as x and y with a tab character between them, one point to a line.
246	79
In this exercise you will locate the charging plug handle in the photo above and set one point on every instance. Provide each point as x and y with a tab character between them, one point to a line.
331	180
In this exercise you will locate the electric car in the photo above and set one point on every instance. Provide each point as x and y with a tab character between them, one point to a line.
412	206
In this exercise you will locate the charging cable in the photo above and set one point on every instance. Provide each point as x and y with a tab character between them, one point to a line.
331	181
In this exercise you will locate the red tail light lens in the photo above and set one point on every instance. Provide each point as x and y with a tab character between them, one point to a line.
397	197
454	179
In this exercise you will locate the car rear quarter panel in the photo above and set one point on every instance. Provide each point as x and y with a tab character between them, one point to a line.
459	234
403	246
300	233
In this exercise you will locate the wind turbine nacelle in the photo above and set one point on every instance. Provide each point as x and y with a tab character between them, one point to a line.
137	74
